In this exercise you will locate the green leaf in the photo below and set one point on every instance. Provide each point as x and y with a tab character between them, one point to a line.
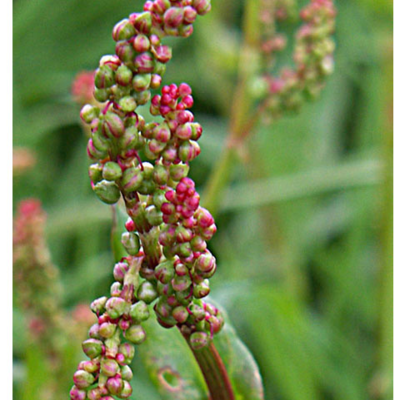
241	366
170	364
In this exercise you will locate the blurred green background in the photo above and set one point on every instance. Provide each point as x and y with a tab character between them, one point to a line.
304	244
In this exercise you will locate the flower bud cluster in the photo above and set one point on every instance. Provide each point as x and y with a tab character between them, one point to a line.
313	54
146	164
35	277
110	346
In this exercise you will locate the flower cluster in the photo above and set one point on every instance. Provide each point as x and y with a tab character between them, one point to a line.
37	293
146	163
36	278
313	53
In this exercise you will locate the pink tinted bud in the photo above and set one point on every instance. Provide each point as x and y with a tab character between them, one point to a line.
184	132
130	225
164	110
170	195
173	17
148	6
184	116
76	394
167	208
209	232
189	14
155	81
115	385
160	6
188	101
141	43
163	53
173	90
204	218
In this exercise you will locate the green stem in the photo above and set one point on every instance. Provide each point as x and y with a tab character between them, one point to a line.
214	372
241	108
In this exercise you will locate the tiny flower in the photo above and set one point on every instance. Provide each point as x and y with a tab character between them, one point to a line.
135	334
199	340
83	379
92	347
107	191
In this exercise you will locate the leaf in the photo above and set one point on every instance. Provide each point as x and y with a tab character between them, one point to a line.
170	364
241	366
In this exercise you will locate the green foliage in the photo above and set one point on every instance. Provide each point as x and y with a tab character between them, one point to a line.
304	239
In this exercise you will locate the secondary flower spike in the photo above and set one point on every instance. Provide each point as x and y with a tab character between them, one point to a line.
146	163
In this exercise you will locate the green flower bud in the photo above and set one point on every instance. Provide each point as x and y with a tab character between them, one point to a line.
130	139
123	75
94	332
119	91
183	297
127	350
136	334
184	250
131	179
89	113
143	22
147	292
96	173
188	150
107	192
98	305
141	82
199	340
131	242
112	347
113	125
160	174
127	104
114	385
107	329
141	43
139	311
100	142
205	262
153	215
201	290
198	244
125	51
126	373
123	30
180	314
126	390
178	171
101	95
159	68
147	187
164	272
159	198
181	283
112	171
198	312
109	367
104	77
115	307
142	97
92	347
111	60
83	379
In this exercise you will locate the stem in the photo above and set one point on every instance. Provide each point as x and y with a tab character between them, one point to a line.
240	125
214	372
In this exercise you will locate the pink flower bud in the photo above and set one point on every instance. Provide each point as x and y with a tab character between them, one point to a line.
173	17
163	53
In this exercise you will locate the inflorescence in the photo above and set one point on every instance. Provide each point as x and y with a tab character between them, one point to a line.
146	163
313	53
